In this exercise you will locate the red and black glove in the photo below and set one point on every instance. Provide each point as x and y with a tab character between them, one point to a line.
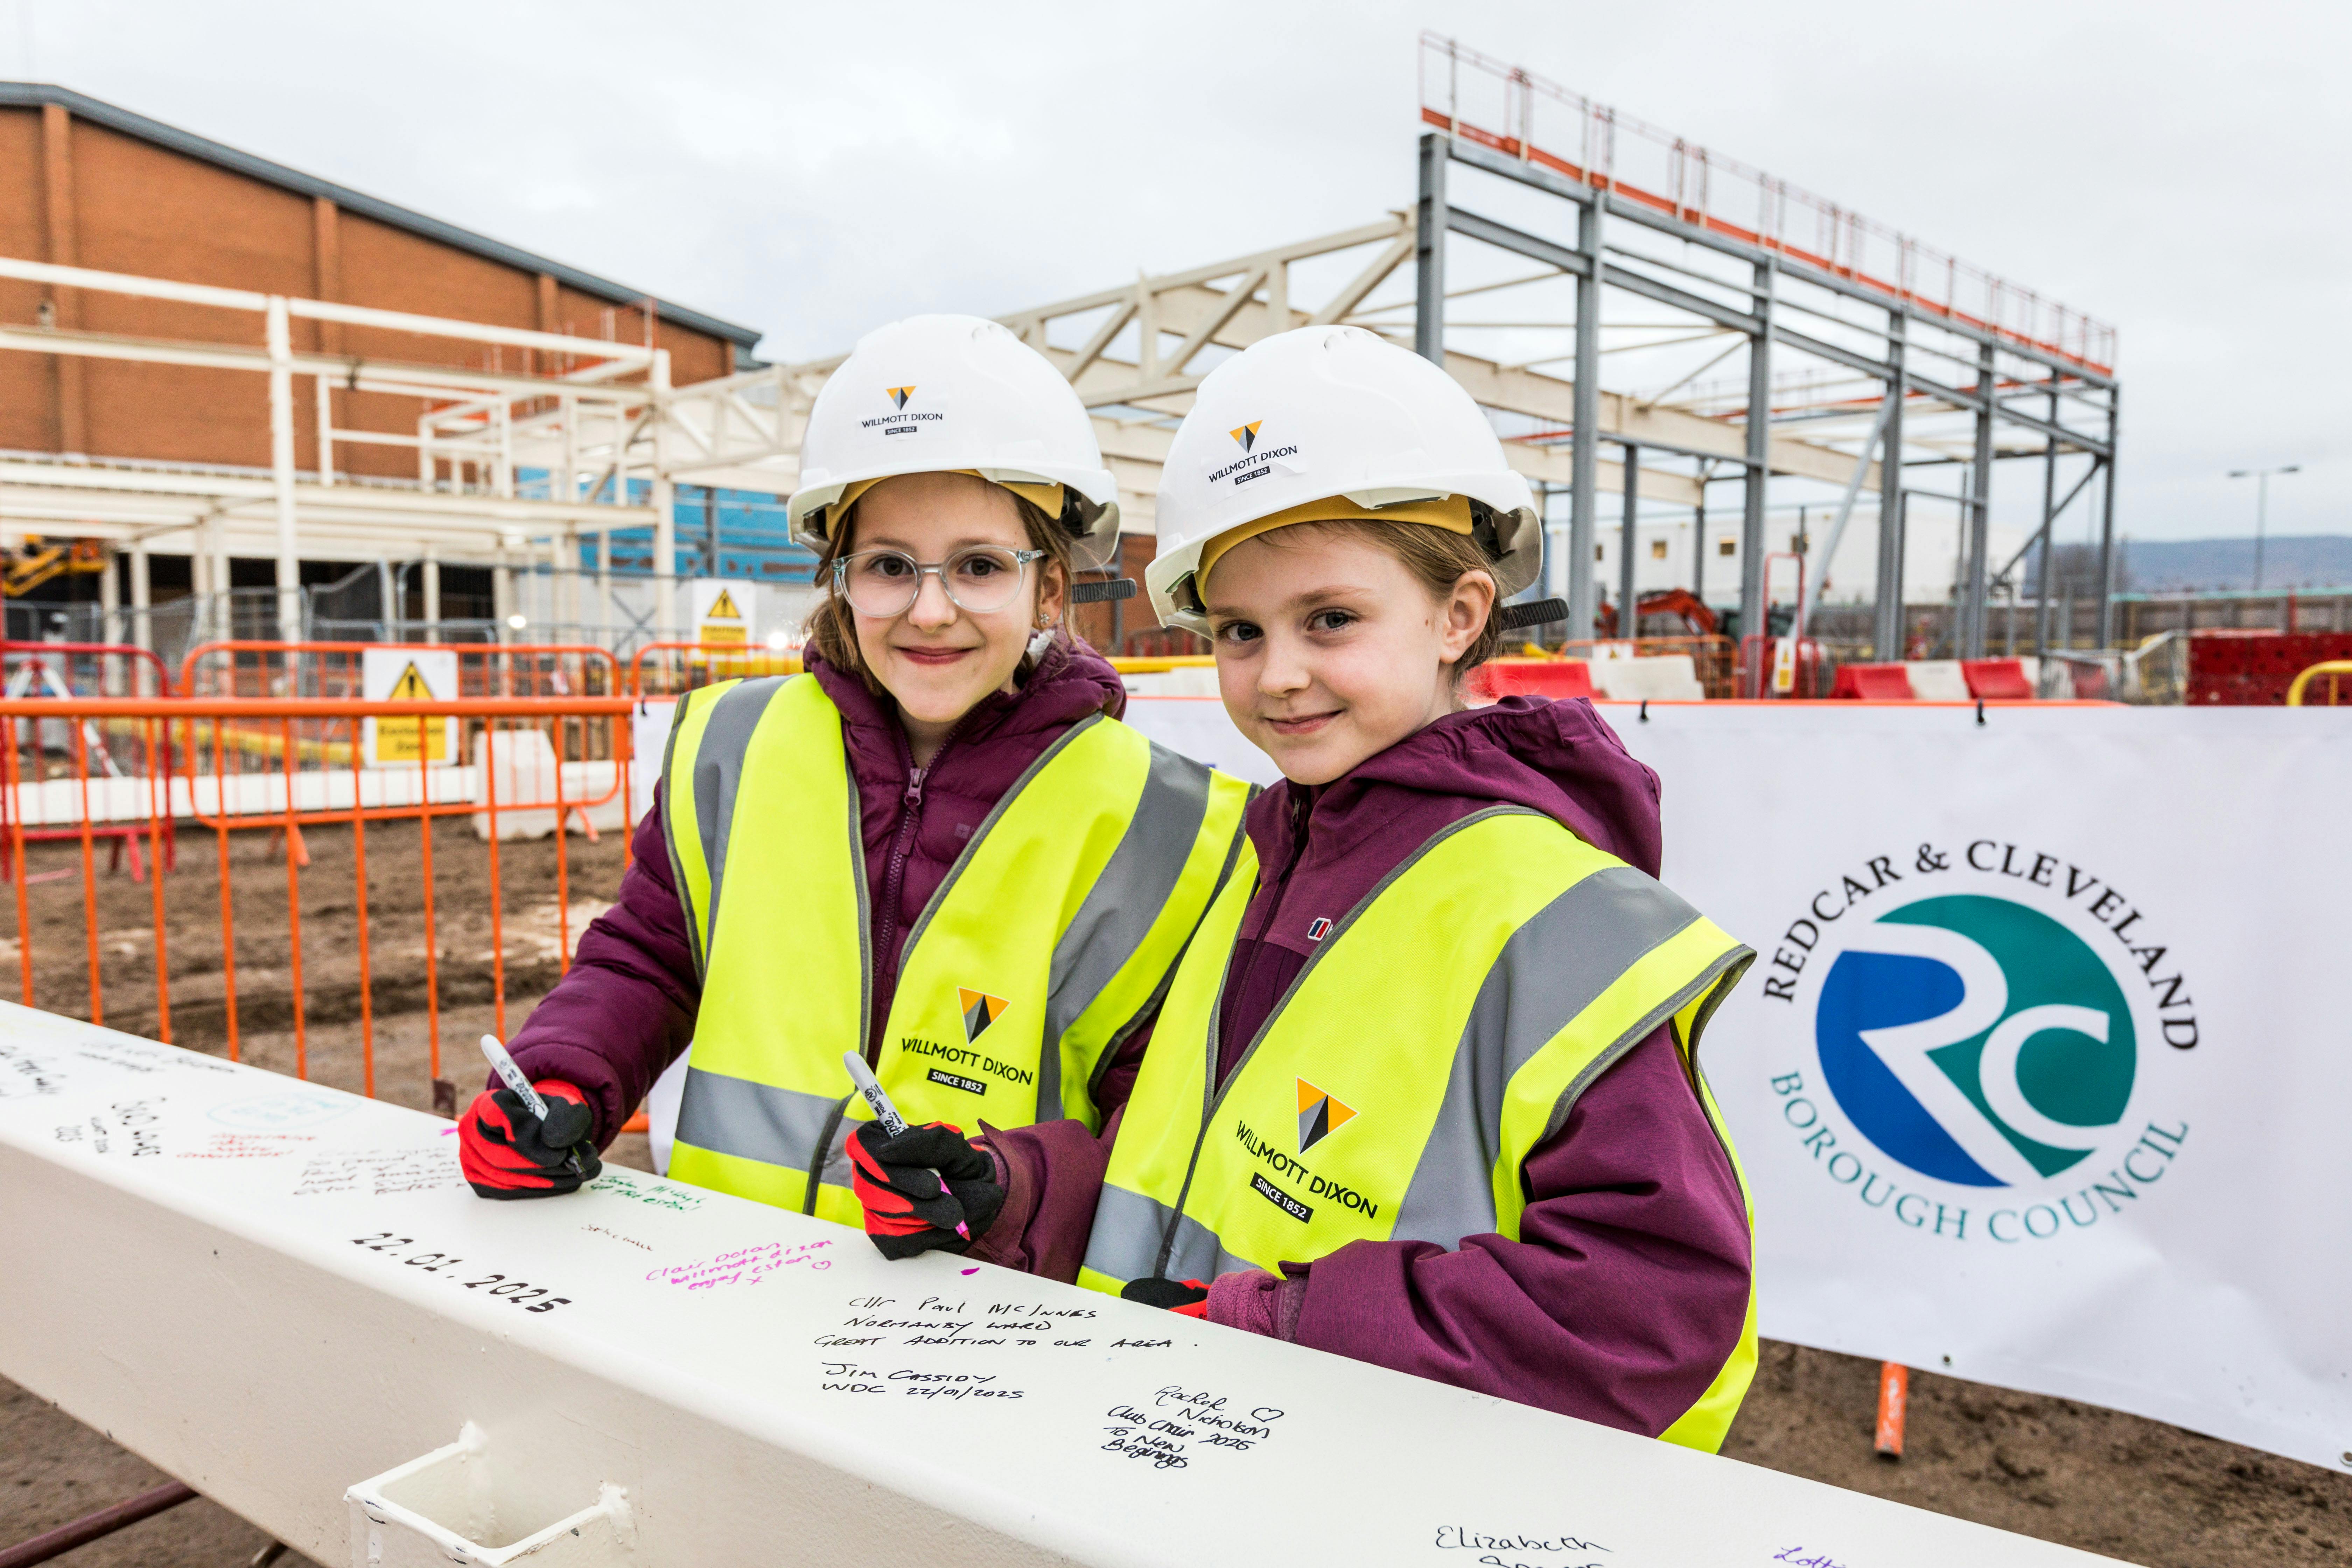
925	1189
1185	1297
507	1153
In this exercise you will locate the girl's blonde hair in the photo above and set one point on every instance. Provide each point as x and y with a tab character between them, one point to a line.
832	630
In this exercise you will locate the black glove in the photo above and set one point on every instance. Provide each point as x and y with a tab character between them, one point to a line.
507	1153
925	1189
1185	1297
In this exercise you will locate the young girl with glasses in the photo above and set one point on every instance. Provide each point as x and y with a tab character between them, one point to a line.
939	846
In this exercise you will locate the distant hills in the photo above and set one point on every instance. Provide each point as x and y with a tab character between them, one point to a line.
2172	565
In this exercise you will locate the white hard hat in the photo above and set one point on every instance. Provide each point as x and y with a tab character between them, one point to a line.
955	394
1331	412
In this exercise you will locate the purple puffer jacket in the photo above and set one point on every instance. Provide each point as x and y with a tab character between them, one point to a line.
1629	1285
626	1008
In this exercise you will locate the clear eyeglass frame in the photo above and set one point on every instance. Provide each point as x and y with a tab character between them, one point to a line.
883	597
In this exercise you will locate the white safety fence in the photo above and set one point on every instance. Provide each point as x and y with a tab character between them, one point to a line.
2038	1079
284	1296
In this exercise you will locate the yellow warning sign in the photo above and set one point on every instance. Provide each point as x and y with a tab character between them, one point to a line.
411	741
722	609
732	635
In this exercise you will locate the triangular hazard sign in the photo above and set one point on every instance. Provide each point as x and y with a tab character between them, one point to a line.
410	687
979	1010
722	609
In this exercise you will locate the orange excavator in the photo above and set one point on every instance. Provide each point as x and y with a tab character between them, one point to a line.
1673	602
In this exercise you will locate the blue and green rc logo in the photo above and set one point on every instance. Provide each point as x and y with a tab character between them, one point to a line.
1987	1024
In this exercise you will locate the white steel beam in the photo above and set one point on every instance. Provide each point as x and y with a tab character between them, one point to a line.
276	1292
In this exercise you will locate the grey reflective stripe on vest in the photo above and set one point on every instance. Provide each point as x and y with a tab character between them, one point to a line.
1550	971
752	1120
1131	1241
1122	905
718	772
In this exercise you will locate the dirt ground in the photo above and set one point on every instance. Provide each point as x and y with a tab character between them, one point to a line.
463	964
2111	1483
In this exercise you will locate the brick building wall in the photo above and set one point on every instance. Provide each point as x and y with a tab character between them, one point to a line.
80	193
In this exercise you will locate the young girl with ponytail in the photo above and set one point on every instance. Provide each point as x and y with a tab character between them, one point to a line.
1425	1090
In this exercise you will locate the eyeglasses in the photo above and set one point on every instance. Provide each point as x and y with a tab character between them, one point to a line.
980	578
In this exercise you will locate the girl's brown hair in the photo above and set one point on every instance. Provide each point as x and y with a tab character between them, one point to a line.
832	628
1437	558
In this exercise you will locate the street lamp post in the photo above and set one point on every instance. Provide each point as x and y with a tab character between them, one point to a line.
2261	478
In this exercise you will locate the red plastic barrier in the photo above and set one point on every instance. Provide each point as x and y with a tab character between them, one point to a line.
1554	678
1873	683
1997	679
2255	668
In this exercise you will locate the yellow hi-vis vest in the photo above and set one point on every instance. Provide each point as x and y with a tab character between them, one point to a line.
1052	938
1438	1035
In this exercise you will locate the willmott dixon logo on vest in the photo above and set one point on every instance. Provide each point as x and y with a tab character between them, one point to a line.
1320	1116
979	1010
1978	1042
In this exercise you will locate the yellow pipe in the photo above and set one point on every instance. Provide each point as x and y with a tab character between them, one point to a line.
1156	665
2326	666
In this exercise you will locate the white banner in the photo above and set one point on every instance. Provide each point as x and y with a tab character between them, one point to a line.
2037	1079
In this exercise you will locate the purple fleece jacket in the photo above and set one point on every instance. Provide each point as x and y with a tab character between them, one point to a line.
1629	1285
626	1008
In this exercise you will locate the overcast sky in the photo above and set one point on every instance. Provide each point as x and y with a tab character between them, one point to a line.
2179	169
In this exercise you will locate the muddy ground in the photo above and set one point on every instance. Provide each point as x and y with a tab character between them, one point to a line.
462	964
2111	1483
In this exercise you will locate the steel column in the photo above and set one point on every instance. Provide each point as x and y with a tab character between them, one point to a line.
665	606
1753	620
2049	527
141	591
1699	535
1886	627
1584	458
2107	526
1980	515
281	468
432	593
1629	620
1429	253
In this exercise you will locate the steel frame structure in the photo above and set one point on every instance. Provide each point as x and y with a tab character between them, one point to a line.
1928	335
593	425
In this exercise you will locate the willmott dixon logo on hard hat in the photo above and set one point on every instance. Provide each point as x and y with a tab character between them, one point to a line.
979	1010
1989	1020
898	396
1320	1115
1247	434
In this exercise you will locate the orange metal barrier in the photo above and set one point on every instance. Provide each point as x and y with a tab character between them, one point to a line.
85	669
1813	675
188	779
675	666
253	669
